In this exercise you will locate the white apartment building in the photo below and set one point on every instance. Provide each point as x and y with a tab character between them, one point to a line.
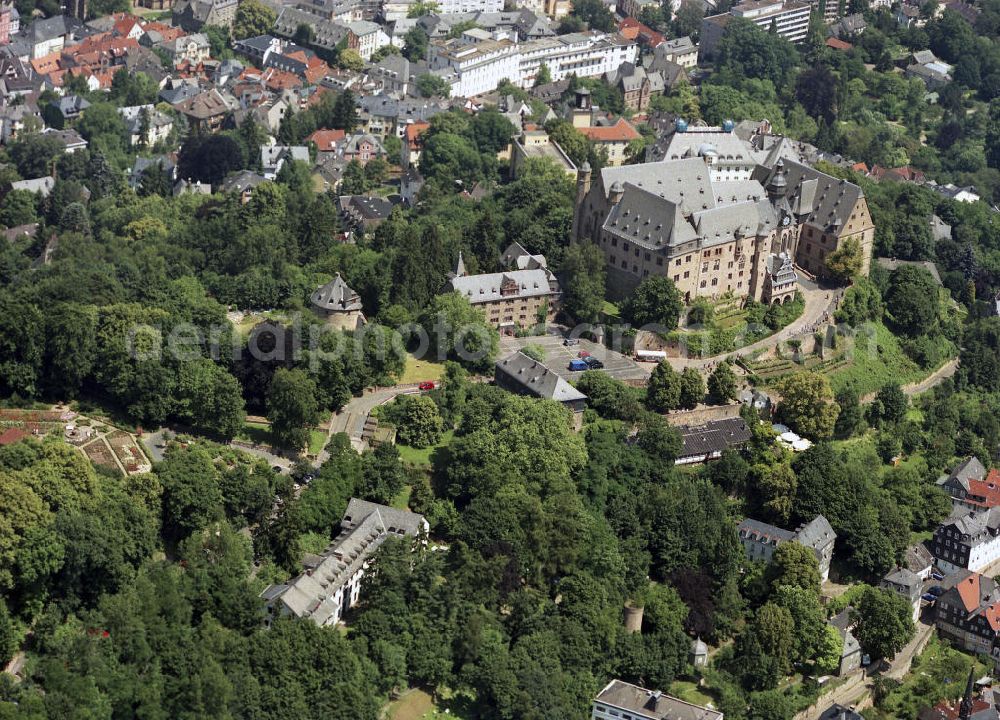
590	54
729	158
370	37
790	20
474	69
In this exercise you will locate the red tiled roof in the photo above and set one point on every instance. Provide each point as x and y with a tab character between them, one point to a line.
992	615
621	131
859	167
326	140
968	590
415	130
12	435
838	44
946	710
985	493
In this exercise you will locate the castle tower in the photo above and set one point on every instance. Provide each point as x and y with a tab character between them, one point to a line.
583	176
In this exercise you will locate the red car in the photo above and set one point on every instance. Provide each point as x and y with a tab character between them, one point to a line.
427	385
583	354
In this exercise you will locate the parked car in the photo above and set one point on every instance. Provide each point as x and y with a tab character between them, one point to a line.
427	385
577	365
571	341
936	575
929	598
583	354
936	591
593	363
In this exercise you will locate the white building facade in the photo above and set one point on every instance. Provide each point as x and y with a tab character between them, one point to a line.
584	54
474	69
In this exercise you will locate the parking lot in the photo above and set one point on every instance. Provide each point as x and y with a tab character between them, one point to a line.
557	356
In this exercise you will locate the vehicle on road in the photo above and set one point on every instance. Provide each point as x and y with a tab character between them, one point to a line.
593	363
571	341
426	385
577	365
936	575
650	355
936	591
929	598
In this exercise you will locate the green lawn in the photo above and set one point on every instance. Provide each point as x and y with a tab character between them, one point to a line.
421	457
875	361
402	501
420	370
419	705
317	439
689	692
257	433
939	673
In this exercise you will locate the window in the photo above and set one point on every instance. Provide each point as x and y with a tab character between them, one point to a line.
715	281
677	261
702	284
646	257
704	267
676	278
687	273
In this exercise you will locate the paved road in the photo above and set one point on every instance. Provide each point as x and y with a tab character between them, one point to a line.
820	304
152	442
352	417
857	689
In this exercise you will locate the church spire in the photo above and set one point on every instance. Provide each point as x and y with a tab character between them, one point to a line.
965	709
460	268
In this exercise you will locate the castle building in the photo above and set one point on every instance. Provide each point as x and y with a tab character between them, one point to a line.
522	295
714	220
338	304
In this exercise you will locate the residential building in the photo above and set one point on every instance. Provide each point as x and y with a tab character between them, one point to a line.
907	585
679	50
370	37
850	653
146	125
849	26
973	705
363	148
413	144
474	68
634	8
514	298
700	221
968	612
614	139
327	141
71	140
968	487
534	143
141	166
638	85
6	12
411	182
331	583
524	375
361	214
760	540
968	540
391	75
193	15
620	699
338	305
40	186
193	48
242	182
790	20
702	443
918	560
934	75
71	107
327	34
207	110
584	54
49	35
273	157
632	29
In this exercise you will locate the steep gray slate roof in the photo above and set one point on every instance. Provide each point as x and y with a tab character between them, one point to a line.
762	532
713	436
336	296
684	180
818	199
536	379
816	533
486	288
652	703
968	469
